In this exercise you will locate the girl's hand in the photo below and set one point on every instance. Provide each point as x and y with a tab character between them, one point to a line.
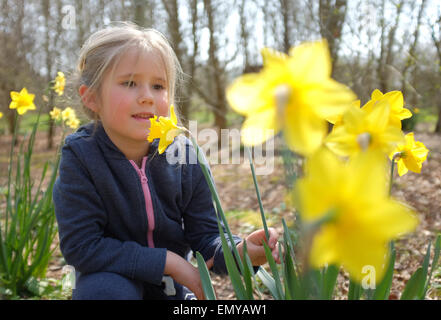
255	248
184	273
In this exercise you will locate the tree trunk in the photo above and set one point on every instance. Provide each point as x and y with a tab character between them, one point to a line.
438	122
171	7
389	54
286	13
139	12
220	111
332	16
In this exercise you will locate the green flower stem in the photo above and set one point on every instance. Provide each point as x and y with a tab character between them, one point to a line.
262	213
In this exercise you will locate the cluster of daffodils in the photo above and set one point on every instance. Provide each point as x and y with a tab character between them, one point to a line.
23	101
345	186
66	116
59	83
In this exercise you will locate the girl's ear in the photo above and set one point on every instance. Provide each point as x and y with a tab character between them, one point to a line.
88	97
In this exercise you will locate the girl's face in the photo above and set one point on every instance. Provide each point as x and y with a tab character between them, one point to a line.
131	95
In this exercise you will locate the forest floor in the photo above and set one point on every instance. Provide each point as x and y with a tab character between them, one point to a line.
236	189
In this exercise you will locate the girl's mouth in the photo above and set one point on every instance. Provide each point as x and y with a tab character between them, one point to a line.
143	116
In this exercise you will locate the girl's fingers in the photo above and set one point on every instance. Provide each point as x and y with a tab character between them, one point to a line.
276	254
274	235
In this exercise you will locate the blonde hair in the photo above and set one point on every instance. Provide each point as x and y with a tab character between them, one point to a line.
103	49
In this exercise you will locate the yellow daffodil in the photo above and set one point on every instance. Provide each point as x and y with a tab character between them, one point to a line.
22	101
60	82
293	93
67	113
55	114
1	115
164	128
73	122
337	120
410	155
362	130
364	218
396	102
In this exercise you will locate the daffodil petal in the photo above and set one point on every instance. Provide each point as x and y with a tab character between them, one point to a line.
395	99
376	95
341	142
358	252
244	94
310	62
393	219
379	116
412	164
404	114
272	57
366	165
330	98
304	131
322	250
173	117
259	127
401	168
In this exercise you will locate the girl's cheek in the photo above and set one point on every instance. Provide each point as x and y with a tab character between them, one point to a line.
163	107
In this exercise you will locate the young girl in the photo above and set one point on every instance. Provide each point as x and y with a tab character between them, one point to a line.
127	218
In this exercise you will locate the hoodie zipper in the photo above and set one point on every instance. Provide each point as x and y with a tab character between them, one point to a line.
148	200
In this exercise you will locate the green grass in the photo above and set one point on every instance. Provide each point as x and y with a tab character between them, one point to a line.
29	119
26	123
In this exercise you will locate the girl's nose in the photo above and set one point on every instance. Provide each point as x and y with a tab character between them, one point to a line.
145	95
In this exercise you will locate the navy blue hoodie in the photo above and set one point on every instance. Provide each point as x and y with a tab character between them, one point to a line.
115	217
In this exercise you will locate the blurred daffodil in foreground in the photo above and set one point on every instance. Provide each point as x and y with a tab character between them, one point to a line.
60	82
396	103
22	101
165	129
364	218
293	93
1	115
409	155
365	130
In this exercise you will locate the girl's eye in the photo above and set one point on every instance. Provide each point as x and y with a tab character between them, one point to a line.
158	87
129	83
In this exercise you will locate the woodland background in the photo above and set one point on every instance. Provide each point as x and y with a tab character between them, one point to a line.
384	44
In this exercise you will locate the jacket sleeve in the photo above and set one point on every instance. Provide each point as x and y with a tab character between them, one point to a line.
200	221
81	220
